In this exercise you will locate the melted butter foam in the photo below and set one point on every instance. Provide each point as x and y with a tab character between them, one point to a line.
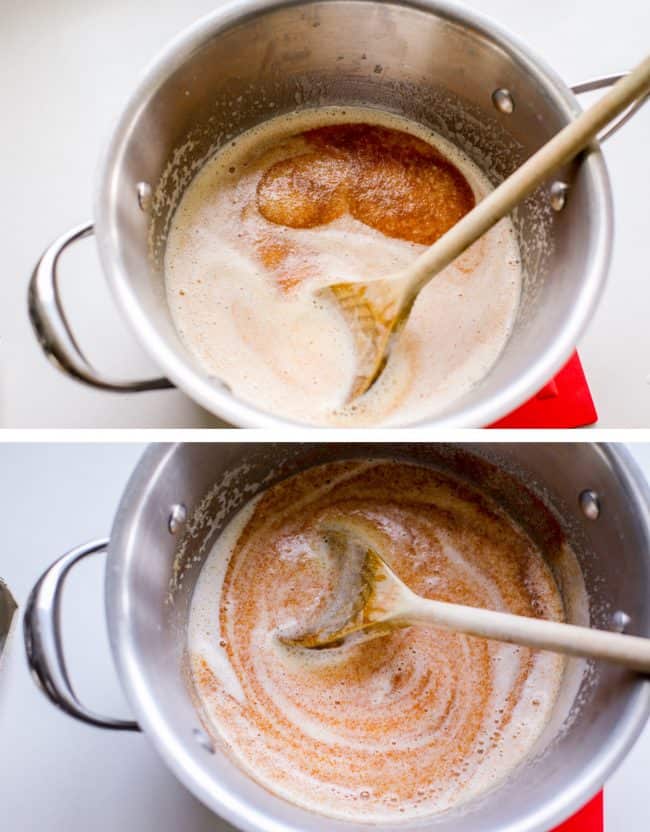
298	204
407	725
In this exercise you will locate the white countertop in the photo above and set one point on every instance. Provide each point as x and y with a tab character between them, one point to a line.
66	69
59	774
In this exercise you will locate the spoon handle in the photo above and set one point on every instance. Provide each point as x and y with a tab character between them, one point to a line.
586	642
556	152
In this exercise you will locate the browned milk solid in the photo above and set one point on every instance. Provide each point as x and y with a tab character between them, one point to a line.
409	724
254	318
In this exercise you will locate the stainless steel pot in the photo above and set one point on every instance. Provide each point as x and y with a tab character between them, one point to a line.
441	65
180	497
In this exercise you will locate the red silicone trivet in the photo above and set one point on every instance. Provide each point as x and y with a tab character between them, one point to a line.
565	402
588	819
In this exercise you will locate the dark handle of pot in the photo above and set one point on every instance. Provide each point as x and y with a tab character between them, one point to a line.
42	634
51	325
608	81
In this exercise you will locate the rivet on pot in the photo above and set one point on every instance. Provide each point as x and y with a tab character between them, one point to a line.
203	740
558	194
620	621
590	504
503	101
177	516
143	189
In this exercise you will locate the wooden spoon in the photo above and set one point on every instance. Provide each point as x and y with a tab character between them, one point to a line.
376	311
378	602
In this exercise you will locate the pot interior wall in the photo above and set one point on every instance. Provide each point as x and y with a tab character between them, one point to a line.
537	484
423	63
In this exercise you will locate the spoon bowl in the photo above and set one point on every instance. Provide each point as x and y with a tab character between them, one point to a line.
369	599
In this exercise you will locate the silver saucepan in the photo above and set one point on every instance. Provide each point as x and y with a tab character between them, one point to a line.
180	497
433	62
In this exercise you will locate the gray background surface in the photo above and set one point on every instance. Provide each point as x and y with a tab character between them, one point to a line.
58	774
66	70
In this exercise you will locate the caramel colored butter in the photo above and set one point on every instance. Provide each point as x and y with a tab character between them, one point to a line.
410	724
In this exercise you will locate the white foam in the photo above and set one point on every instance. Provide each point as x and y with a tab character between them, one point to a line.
204	634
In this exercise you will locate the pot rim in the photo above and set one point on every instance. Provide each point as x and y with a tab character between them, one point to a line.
586	783
239	413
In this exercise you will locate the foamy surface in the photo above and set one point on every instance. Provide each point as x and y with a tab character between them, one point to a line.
410	724
258	321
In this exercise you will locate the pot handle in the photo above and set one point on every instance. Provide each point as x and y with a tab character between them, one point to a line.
608	81
53	331
42	634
